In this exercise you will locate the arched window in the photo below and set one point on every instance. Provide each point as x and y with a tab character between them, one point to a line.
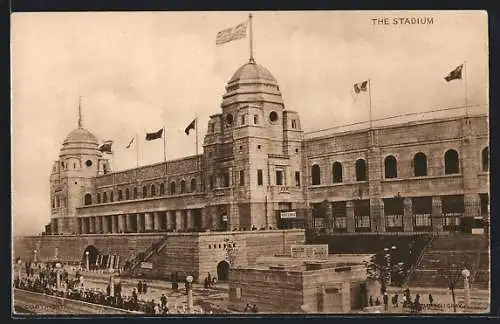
162	189
120	195
111	196
135	193
337	172
316	175
391	167
451	164
104	197
127	194
485	158
172	188
153	190
183	186
98	198
144	192
420	165
360	170
193	185
88	199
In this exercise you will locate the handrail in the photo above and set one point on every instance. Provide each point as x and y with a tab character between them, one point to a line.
419	259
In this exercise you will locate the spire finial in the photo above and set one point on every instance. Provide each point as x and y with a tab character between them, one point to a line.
80	119
251	60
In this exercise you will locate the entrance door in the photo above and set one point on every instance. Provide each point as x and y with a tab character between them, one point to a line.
223	270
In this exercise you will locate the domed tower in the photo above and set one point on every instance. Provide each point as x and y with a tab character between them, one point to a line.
253	152
71	178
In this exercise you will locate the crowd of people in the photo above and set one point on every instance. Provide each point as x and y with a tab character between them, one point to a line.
43	278
414	305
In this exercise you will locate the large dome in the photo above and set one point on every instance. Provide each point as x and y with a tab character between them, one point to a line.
81	135
252	71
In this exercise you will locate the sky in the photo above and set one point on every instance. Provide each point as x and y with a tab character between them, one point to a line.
140	71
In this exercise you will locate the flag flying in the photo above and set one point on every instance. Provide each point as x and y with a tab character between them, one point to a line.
230	34
455	74
106	147
358	87
155	135
191	126
130	143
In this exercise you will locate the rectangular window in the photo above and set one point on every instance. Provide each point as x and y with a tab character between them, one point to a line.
242	177
255	119
259	178
279	177
294	123
242	119
225	179
297	178
485	202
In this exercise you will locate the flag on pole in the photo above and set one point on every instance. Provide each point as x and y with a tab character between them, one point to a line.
362	86
455	74
130	143
233	33
191	126
155	135
106	147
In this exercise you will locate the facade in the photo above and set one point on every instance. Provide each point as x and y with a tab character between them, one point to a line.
258	169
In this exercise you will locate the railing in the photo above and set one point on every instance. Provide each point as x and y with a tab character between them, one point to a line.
417	262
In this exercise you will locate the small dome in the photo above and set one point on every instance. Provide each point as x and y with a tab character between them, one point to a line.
252	71
81	135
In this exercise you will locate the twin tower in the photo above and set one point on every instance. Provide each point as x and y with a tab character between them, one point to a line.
250	172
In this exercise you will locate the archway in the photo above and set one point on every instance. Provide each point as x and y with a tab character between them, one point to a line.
93	253
223	270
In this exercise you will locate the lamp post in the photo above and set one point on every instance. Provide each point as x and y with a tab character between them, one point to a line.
87	260
58	275
19	268
34	256
111	282
466	274
189	280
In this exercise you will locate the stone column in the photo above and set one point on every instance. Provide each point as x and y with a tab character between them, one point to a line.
92	225
114	227
105	224
122	223
179	222
148	222
408	217
98	224
170	219
190	218
205	221
350	217
139	223
377	217
437	213
156	224
80	226
128	222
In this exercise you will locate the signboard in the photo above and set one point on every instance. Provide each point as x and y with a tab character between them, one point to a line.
478	231
318	251
146	265
291	214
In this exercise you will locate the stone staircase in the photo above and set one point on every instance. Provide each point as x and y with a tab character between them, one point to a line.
143	256
463	250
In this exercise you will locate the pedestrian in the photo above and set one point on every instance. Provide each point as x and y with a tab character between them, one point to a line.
386	301
255	309
163	300
157	309
139	287
395	302
431	299
371	300
144	288
248	308
377	302
209	277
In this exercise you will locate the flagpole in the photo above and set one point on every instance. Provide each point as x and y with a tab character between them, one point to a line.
196	126
251	38
137	149
465	90
164	145
370	100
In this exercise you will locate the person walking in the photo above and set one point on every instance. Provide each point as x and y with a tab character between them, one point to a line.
431	299
371	300
139	287
386	301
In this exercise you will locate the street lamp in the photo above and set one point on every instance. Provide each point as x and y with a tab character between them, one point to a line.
189	280
58	275
34	255
87	260
111	283
19	268
466	275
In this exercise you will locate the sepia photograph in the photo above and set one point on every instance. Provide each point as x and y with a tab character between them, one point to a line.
230	163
